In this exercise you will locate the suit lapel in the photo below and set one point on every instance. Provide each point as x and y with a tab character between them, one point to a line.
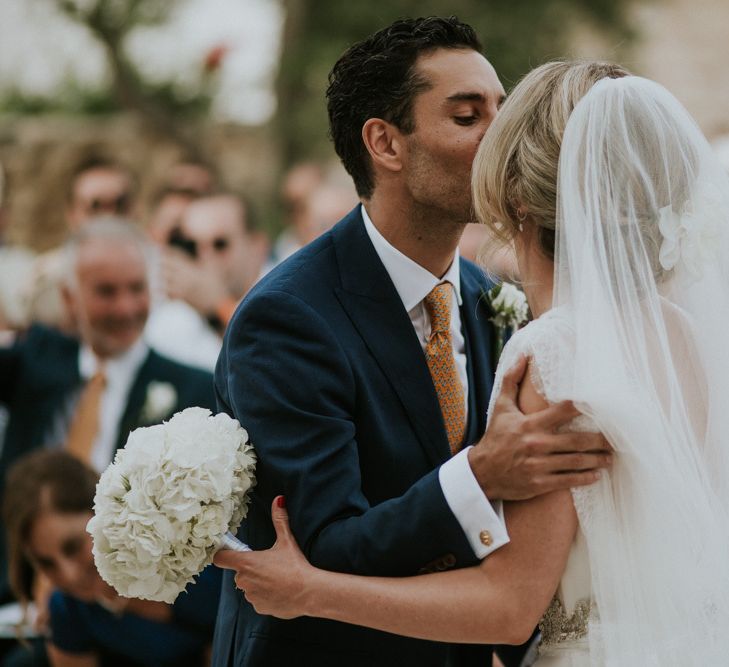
477	331
135	402
375	309
63	379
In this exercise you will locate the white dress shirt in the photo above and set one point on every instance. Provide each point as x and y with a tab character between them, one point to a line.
177	331
482	522
120	373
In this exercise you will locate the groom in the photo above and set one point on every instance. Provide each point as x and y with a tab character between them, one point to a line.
361	364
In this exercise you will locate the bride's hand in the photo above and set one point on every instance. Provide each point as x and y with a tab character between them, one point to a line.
273	581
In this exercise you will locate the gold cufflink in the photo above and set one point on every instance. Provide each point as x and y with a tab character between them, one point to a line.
486	538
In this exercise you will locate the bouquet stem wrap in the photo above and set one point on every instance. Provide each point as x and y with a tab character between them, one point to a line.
232	543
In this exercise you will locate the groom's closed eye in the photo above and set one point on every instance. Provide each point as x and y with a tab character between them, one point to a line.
466	120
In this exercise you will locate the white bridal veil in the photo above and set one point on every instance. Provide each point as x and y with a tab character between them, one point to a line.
642	273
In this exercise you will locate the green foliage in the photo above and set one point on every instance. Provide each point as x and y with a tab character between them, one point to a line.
161	105
517	36
82	100
117	15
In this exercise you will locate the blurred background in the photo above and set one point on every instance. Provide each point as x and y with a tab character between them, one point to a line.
203	123
238	84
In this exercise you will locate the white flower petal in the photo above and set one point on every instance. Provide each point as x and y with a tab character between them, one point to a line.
163	505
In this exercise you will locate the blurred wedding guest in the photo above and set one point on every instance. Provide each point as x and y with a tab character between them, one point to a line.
299	182
98	186
328	204
191	175
168	207
212	261
184	182
47	503
314	200
90	393
16	266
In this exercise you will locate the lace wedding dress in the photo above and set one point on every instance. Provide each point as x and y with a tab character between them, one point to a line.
637	338
565	625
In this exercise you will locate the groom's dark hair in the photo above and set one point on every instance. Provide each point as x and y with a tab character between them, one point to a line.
376	78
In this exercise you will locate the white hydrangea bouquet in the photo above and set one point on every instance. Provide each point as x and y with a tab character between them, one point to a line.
168	501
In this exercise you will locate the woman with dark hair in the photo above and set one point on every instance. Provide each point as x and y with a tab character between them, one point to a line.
48	502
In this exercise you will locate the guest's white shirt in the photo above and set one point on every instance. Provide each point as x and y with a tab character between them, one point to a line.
177	331
120	372
464	496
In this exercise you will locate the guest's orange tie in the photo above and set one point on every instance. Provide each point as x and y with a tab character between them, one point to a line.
85	424
442	365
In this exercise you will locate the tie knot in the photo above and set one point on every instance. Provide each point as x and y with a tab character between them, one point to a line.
438	304
99	377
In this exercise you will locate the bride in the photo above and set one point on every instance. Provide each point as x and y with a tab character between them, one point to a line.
618	214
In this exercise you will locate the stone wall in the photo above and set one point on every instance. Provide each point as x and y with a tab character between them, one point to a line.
682	44
38	153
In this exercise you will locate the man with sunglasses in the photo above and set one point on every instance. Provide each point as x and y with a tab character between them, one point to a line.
212	260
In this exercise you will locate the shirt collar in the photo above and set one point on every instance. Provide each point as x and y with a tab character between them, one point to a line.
412	282
121	367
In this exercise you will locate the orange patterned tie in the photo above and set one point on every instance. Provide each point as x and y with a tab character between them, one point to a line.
442	365
85	423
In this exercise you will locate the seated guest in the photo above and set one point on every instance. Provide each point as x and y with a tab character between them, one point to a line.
47	503
90	393
215	257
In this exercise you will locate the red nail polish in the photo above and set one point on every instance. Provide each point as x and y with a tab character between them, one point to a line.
281	502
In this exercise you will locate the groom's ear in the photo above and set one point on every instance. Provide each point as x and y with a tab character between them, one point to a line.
384	144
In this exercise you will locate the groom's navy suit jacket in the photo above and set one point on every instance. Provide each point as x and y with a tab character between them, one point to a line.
322	366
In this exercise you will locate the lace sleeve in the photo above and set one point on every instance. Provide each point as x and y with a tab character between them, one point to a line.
547	342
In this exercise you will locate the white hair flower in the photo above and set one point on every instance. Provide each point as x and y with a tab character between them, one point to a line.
690	236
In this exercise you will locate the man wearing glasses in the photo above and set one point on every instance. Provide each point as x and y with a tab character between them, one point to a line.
98	186
212	260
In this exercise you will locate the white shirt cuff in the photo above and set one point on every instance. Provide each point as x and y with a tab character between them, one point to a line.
481	521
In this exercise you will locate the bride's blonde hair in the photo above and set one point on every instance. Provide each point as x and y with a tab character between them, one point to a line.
517	163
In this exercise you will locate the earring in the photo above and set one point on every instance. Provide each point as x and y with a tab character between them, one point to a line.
521	215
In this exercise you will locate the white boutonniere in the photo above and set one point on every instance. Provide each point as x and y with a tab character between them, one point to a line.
509	310
159	403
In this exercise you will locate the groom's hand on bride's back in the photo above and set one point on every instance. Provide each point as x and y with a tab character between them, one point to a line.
524	455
